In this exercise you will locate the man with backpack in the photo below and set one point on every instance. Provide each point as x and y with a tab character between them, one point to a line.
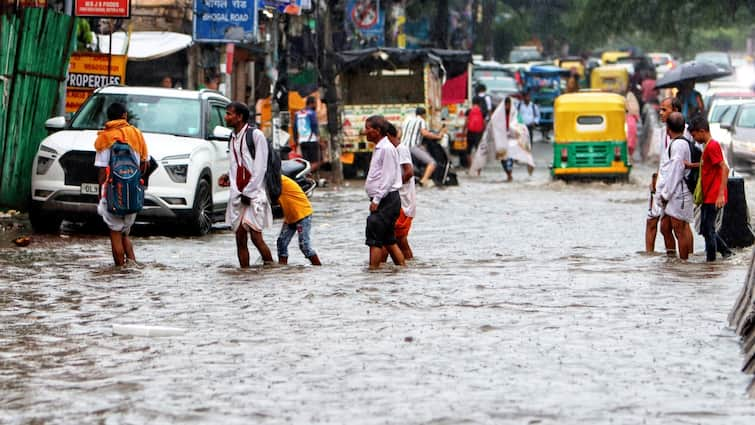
121	158
529	113
249	207
712	193
655	210
673	191
475	128
484	100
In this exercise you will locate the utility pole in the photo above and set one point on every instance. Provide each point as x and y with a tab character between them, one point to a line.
332	95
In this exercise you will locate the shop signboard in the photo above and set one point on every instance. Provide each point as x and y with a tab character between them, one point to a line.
102	8
89	71
225	21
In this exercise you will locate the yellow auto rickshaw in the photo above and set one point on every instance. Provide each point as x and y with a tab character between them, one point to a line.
572	63
589	137
610	78
613	56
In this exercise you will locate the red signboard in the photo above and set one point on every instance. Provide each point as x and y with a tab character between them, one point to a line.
103	8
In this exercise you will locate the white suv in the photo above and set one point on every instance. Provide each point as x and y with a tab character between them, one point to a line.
184	131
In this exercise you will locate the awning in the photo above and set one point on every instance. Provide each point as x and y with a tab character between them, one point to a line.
145	45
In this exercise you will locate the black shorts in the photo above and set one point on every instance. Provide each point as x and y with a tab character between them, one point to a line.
310	151
381	223
473	139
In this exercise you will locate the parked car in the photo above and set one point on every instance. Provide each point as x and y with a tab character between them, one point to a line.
663	62
184	132
525	54
497	78
723	108
721	59
742	129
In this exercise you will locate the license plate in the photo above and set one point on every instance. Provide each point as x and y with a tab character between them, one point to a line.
90	189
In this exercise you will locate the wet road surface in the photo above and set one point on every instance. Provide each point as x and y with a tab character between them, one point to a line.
529	302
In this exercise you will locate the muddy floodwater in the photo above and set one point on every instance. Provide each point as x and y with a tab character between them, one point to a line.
528	303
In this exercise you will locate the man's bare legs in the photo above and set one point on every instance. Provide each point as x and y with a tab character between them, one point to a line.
668	236
122	248
682	233
242	249
428	173
261	246
116	244
128	248
406	250
651	231
691	239
377	255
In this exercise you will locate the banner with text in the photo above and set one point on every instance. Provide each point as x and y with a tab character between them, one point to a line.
102	8
89	71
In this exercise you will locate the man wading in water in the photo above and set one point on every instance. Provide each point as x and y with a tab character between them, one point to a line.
382	186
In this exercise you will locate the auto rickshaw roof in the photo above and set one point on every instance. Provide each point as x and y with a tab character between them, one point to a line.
547	71
590	101
614	68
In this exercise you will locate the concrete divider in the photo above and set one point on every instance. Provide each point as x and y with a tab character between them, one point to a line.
742	318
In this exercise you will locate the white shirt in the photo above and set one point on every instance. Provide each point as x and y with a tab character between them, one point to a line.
529	113
408	191
673	188
411	131
257	166
385	172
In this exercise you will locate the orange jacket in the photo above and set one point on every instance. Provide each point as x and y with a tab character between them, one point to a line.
123	131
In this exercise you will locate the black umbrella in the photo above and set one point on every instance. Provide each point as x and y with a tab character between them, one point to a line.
698	72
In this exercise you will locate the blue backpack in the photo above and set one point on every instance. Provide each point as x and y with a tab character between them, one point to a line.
124	191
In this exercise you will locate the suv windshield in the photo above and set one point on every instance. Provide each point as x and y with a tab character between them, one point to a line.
150	114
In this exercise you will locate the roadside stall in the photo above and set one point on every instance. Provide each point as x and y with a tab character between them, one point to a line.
384	81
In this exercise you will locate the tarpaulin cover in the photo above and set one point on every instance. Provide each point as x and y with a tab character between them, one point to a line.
453	61
455	89
145	45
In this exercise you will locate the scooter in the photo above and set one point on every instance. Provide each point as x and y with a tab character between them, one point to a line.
297	169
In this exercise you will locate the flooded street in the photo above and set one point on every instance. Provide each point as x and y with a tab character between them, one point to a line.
529	302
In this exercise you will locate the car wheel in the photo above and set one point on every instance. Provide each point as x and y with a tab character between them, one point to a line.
42	222
201	221
730	152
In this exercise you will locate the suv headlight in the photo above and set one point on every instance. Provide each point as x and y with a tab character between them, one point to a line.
176	167
45	159
178	172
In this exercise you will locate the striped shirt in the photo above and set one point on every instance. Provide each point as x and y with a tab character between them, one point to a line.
411	131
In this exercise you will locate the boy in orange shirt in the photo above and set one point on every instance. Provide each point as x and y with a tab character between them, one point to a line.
297	218
118	128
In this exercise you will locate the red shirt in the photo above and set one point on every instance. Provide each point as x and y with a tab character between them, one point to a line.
711	173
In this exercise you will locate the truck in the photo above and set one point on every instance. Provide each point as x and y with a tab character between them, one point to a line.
392	82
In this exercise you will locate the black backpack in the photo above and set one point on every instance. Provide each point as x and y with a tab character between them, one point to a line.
273	173
695	154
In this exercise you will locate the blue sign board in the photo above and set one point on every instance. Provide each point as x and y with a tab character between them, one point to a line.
225	21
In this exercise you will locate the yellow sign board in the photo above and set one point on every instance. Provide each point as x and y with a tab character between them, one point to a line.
89	71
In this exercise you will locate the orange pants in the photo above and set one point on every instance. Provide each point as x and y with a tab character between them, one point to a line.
403	224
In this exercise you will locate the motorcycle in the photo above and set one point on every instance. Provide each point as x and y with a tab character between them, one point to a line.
443	175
